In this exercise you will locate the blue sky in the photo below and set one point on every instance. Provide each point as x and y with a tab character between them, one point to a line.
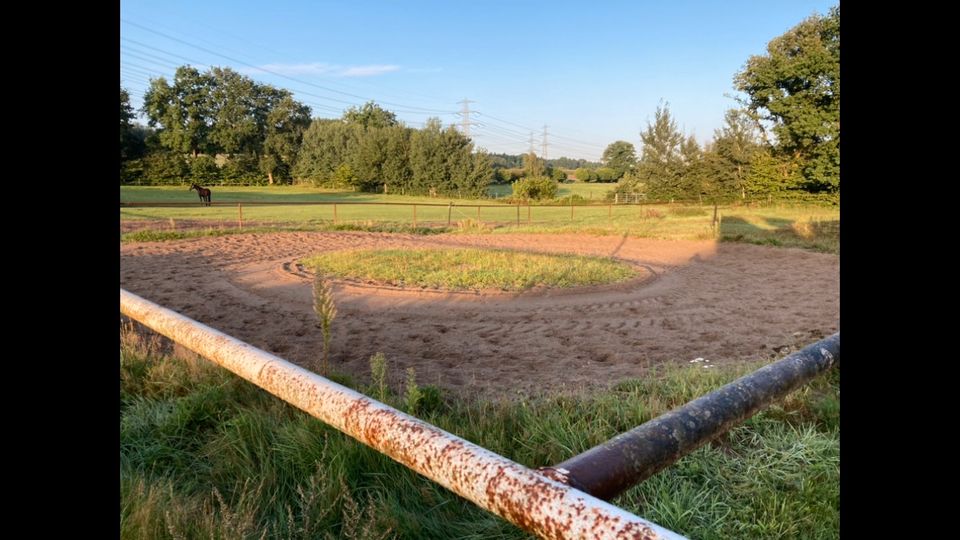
593	72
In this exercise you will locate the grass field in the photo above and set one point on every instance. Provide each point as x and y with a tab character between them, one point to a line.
590	192
204	454
595	192
469	269
811	227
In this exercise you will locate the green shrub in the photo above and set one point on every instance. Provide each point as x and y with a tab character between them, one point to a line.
535	188
204	170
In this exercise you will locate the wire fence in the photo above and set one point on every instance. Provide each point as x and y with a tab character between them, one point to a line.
424	214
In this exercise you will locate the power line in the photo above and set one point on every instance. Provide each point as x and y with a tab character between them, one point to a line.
259	68
529	128
465	116
544	142
151	47
148	57
261	47
126	67
464	113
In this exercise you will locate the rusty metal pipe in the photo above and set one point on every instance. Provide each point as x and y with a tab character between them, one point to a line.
520	495
611	468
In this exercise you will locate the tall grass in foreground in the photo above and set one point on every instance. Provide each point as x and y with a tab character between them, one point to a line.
204	454
326	310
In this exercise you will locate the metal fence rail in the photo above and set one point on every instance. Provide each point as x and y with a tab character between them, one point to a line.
535	204
630	458
525	497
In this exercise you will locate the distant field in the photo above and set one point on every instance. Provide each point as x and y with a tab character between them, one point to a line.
808	226
594	192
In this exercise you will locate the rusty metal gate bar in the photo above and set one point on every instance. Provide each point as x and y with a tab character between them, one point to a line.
528	499
609	469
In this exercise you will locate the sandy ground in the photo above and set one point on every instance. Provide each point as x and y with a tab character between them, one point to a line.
722	302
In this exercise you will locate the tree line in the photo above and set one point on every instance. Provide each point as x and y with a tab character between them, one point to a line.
782	142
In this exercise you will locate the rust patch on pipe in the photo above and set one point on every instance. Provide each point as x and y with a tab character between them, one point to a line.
531	500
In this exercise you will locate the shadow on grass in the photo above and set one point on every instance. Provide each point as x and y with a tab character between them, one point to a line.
817	235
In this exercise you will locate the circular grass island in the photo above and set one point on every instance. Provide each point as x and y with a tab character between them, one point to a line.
469	269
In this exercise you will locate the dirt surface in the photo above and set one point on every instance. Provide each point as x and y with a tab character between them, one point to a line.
721	302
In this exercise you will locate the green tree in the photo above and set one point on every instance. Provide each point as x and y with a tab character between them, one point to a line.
182	110
165	166
285	125
584	174
324	149
620	156
731	155
772	176
795	90
692	176
532	165
426	158
232	100
430	161
132	136
535	188
395	170
126	115
370	115
242	168
661	166
203	169
607	175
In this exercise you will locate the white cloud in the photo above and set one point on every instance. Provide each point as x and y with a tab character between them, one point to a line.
368	71
316	68
320	68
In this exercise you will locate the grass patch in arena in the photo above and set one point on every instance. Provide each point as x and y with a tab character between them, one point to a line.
469	269
160	235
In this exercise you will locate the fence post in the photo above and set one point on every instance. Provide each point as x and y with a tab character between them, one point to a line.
414	216
240	210
478	212
449	211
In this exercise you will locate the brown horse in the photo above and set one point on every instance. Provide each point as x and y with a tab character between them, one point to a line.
204	194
